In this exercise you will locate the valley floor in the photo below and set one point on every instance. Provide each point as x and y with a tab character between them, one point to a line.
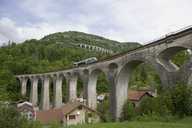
184	123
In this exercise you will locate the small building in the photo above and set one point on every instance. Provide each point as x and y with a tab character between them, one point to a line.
71	113
136	96
101	97
27	109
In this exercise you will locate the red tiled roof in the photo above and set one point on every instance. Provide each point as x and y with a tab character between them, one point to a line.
69	107
57	114
137	95
49	115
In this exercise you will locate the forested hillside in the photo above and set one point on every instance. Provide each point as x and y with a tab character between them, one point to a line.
69	39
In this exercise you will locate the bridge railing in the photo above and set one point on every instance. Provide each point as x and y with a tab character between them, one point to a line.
169	34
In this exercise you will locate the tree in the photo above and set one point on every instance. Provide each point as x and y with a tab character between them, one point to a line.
181	96
11	118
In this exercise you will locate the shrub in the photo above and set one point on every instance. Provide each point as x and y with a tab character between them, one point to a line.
103	108
181	97
175	101
146	106
156	105
128	112
155	117
11	118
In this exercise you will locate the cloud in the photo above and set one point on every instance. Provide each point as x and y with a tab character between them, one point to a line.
122	20
10	31
7	29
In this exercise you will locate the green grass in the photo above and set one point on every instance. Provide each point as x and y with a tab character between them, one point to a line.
184	123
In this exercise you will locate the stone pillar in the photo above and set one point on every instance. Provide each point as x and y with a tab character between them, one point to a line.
57	92
112	97
45	94
121	96
34	91
23	86
118	93
91	92
72	86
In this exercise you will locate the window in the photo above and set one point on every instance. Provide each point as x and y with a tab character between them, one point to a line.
72	117
30	115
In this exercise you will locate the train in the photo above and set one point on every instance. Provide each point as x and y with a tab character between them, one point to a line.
86	61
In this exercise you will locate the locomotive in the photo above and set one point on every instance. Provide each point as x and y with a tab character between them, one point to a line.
86	61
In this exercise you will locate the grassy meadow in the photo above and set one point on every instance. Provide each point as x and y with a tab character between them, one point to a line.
184	123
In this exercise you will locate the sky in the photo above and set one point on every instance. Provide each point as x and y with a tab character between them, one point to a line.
121	20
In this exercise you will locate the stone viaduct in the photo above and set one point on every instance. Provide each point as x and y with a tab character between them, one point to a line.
95	48
118	70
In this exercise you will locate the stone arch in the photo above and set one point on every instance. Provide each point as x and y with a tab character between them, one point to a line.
122	83
121	89
97	71
166	55
92	87
112	66
126	70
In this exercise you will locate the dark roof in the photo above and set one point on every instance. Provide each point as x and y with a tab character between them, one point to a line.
24	107
135	95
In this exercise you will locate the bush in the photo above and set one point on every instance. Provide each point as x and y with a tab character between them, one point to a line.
155	117
128	112
103	108
11	118
181	97
157	105
175	101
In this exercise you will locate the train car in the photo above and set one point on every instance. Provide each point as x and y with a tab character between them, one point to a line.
86	61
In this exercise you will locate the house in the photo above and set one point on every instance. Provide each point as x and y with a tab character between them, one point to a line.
71	113
137	96
27	109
